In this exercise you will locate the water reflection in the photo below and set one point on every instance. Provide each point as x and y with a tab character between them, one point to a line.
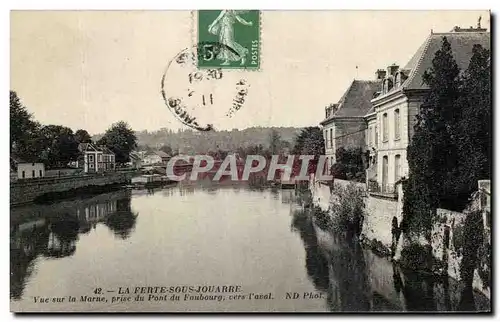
52	231
268	240
355	279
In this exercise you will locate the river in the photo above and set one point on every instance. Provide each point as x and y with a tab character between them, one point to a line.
259	240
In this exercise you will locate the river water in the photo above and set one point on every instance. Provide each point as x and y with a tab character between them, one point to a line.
258	241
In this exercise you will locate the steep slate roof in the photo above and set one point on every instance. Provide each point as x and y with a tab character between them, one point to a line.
461	45
356	100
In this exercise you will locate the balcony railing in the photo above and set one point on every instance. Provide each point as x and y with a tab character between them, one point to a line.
386	189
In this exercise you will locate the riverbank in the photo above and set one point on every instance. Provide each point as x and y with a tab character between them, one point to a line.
361	280
376	222
46	189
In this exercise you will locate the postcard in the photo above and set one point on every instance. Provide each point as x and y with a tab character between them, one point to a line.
250	161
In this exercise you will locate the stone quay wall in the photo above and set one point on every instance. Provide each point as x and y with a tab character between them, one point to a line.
26	191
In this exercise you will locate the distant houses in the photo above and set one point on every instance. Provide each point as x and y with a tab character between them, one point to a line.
139	159
155	157
378	116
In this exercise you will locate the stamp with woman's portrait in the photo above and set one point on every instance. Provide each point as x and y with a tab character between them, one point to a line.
229	39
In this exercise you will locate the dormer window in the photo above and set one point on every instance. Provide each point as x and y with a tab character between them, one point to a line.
389	84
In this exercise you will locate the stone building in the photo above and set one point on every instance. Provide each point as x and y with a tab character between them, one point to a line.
344	124
393	116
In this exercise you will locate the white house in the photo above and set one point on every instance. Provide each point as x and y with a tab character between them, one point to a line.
30	170
95	159
151	158
156	157
390	123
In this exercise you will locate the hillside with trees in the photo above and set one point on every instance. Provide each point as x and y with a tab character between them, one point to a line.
191	141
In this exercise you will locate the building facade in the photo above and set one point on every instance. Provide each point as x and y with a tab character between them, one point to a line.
108	159
93	159
344	124
30	170
156	157
391	121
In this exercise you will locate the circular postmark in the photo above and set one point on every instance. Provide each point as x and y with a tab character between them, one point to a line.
202	98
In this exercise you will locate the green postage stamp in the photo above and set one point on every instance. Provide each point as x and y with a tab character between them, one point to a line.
229	39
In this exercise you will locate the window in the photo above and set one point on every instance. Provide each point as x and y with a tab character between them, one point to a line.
396	125
447	237
24	174
331	138
99	158
376	136
91	157
326	138
33	174
385	129
40	171
385	167
397	167
369	138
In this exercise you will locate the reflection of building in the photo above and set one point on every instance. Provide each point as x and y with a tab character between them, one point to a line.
58	247
287	196
89	215
55	231
355	279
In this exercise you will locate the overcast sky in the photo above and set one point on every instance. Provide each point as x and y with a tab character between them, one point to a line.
88	69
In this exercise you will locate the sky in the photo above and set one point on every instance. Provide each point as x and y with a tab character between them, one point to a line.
89	69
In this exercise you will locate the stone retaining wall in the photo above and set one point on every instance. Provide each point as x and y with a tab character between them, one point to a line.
25	191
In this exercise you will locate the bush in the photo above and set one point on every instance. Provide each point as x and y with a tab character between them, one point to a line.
417	257
348	212
350	164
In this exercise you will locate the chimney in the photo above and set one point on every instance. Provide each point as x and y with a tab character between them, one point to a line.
380	74
391	70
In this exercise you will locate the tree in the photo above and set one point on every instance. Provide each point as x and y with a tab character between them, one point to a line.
167	149
434	152
475	124
82	136
59	145
309	142
349	164
274	141
23	130
120	139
